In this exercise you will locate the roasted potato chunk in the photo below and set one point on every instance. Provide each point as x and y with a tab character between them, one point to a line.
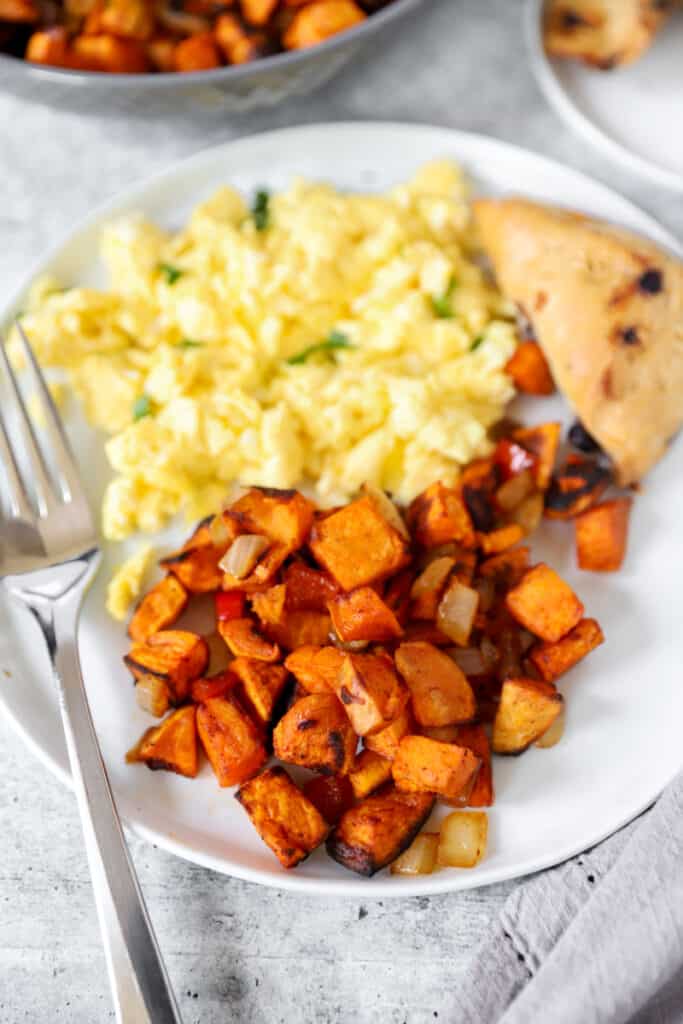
529	370
158	610
553	660
357	545
370	691
233	743
378	829
50	46
196	564
315	733
244	641
544	604
316	668
428	766
332	795
285	517
173	655
301	629
601	535
284	818
386	741
527	708
369	772
440	692
262	685
319	20
439	515
475	738
269	605
172	745
363	615
308	590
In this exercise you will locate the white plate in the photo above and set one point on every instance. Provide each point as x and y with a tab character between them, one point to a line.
625	703
633	114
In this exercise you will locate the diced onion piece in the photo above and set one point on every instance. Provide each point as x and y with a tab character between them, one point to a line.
515	489
243	554
433	577
468	659
554	734
152	696
386	508
529	512
457	610
420	857
462	841
489	652
218	531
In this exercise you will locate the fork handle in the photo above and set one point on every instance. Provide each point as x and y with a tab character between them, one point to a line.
140	986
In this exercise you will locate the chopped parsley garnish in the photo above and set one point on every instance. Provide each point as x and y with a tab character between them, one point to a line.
260	211
442	305
188	343
171	273
334	340
142	407
477	342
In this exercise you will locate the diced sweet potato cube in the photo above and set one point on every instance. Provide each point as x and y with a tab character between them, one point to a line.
601	535
378	829
285	517
301	629
475	738
369	772
49	46
161	53
269	605
284	818
231	35
332	795
132	19
542	441
244	641
315	733
529	370
108	53
439	690
357	545
233	743
363	615
308	590
544	604
172	745
258	12
371	691
196	564
316	668
501	539
18	11
159	608
386	741
527	708
198	52
428	766
507	568
553	660
319	20
173	655
262	685
440	515
578	487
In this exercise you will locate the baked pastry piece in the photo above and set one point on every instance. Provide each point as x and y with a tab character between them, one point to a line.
603	33
607	308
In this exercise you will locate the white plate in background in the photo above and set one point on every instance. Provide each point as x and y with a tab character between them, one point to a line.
633	114
624	704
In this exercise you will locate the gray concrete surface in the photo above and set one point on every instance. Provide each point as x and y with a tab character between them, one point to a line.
237	952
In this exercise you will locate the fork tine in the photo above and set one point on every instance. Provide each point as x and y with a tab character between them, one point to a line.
41	483
19	504
66	463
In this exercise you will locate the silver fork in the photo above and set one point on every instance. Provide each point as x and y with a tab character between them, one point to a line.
48	558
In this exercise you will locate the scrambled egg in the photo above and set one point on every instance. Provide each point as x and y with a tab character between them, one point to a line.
327	338
126	585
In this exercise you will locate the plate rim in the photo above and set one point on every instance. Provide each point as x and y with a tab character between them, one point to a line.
350	887
571	113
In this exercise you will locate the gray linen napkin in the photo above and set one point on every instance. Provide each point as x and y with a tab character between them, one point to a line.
597	940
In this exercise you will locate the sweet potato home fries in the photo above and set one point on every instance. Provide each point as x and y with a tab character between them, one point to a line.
132	36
